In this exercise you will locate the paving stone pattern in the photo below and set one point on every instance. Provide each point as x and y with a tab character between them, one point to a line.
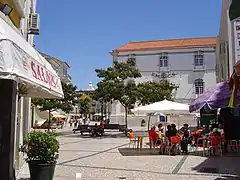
102	159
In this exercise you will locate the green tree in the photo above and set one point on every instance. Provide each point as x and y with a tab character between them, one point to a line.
85	104
234	10
117	84
66	104
150	92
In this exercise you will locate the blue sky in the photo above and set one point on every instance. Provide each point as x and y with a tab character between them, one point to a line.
84	31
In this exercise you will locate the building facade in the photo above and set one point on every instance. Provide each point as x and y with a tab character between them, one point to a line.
19	19
188	63
228	46
61	67
224	48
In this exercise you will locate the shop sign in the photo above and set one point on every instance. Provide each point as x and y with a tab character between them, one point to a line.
208	116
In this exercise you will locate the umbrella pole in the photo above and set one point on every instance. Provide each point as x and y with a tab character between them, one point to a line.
149	118
178	122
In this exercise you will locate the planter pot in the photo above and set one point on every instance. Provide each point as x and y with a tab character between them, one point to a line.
39	171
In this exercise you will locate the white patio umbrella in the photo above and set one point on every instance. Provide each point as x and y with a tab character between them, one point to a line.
165	106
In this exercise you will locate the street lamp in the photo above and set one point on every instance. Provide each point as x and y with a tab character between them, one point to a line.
6	9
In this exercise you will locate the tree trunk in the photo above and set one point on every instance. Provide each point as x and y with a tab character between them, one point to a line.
126	119
49	121
102	110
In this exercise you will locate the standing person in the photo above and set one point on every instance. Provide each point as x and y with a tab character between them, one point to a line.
75	123
153	137
185	139
168	133
174	133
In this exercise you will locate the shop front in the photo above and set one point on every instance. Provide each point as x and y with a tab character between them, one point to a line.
23	71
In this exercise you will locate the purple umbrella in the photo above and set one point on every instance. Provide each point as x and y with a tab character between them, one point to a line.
215	97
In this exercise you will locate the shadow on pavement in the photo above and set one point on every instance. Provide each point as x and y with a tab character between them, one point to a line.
228	166
136	152
106	135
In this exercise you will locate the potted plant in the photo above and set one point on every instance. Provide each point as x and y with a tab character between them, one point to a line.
41	149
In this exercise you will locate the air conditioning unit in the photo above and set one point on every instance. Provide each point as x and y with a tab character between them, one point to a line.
34	24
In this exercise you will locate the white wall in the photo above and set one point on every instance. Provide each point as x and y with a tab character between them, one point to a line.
180	62
24	108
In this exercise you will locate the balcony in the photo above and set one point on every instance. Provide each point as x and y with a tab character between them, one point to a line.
197	68
164	69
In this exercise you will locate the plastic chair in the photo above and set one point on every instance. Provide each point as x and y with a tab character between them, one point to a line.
204	145
133	142
233	145
215	144
175	143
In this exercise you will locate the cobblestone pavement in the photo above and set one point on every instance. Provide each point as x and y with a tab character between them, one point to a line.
109	158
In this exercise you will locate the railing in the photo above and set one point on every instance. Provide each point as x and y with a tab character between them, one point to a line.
199	68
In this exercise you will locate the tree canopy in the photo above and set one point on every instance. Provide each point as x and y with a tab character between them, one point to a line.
66	104
117	83
150	92
84	103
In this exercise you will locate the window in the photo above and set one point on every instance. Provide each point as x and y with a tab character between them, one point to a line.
199	86
163	60
198	58
65	73
222	48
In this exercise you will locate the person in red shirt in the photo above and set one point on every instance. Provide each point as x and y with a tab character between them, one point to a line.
153	136
101	128
101	125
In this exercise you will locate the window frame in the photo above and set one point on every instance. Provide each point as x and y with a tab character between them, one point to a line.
163	60
199	86
198	59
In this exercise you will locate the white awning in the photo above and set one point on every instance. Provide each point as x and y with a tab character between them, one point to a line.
19	61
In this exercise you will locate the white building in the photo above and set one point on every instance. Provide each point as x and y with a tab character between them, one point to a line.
190	64
226	47
24	20
23	73
27	10
61	67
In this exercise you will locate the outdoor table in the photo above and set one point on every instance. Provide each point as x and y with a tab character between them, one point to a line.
140	140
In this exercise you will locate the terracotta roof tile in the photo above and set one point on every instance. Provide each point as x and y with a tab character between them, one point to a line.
168	44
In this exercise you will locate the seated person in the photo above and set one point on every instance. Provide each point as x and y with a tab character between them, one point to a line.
101	129
215	133
160	127
101	125
206	130
130	134
161	135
